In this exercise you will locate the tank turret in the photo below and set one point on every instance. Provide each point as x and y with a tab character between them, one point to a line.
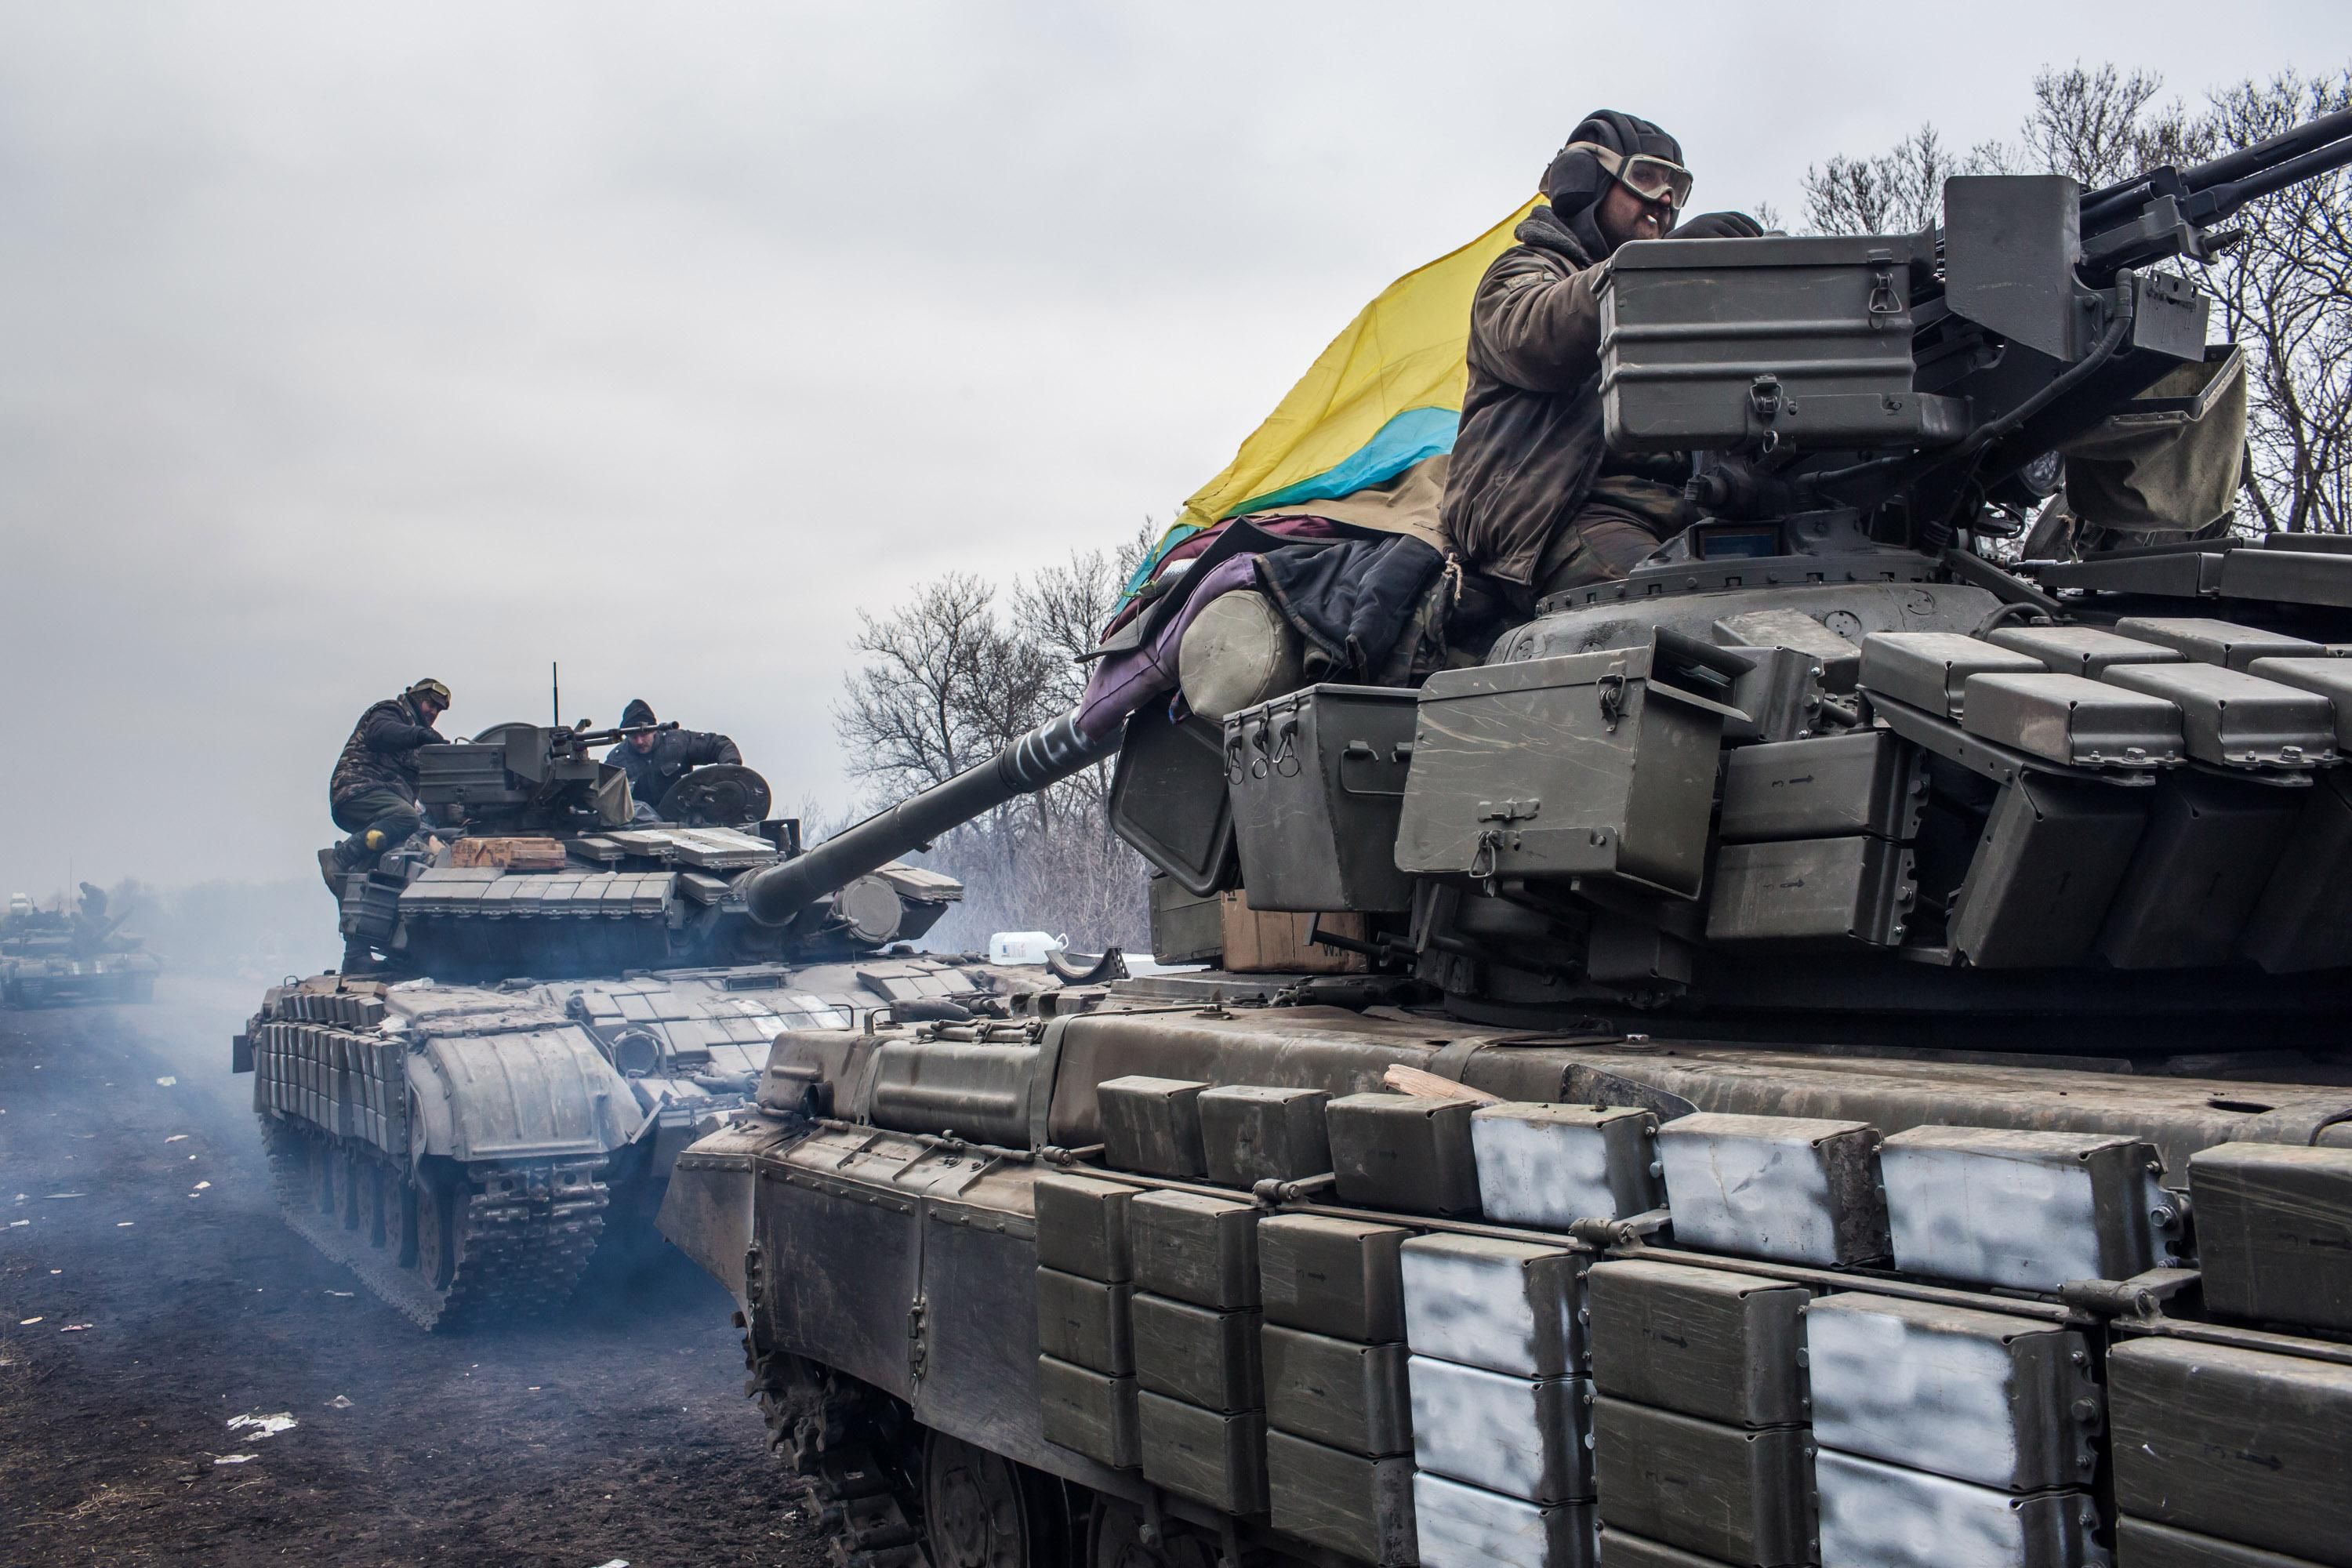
1842	1054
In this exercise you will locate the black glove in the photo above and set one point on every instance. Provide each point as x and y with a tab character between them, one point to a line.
1717	225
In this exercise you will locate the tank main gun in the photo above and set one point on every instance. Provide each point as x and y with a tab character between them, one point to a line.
1044	756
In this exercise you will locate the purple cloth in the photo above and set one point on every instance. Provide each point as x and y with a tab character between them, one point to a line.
1123	682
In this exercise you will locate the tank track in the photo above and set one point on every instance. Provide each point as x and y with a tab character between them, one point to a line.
840	1437
521	1230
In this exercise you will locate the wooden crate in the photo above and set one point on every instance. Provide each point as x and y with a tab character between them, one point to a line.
1270	941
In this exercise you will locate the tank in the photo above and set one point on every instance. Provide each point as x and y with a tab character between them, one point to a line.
66	957
1831	1049
558	989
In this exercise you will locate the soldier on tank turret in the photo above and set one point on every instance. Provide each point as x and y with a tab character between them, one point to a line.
1533	499
655	760
373	795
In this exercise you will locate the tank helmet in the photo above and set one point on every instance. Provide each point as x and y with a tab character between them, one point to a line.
428	687
639	711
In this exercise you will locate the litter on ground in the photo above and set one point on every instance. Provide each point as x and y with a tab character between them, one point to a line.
26	1322
75	1328
234	1458
263	1426
177	1138
339	1402
167	1081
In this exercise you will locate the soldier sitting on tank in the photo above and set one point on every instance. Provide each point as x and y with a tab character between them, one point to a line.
373	792
658	759
1533	499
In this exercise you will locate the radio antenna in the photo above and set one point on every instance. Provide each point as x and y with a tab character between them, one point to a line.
555	691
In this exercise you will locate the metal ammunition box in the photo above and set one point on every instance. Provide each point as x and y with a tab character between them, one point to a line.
1830	316
1082	1226
2241	1444
1830	787
1318	778
1196	1355
2222	643
2329	677
1507	1306
2303	918
1978	1397
1621	1550
1522	1436
1469	1527
1794	1188
1403	1152
1090	1413
1551	1165
1699	1341
2068	718
2275	1232
1335	1277
2201	863
1885	1515
1813	890
1084	1322
2229	718
1930	670
2052	854
1195	1248
1215	1459
1186	927
1251	1133
2079	650
1350	1395
2139	1544
1352	1504
1726	1493
1530	770
1152	1125
2026	1209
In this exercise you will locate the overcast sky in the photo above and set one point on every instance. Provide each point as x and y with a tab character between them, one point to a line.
341	345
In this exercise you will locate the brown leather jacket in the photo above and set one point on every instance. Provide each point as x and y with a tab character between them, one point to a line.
1529	444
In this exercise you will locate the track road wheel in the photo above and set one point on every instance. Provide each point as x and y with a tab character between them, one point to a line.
1115	1540
436	1257
984	1511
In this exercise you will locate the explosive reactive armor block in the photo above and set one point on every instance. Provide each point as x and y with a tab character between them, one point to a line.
1930	670
1152	1125
1403	1152
2139	1544
1336	1276
1251	1134
1196	1355
1195	1248
2079	650
1212	1458
2243	1445
1829	786
1701	1342
1794	1188
2229	718
1521	1437
2023	1208
1551	1165
2219	836
1813	890
2053	852
1360	1506
2275	1232
1891	1516
1082	1226
1463	1526
1732	1494
2068	718
1978	1397
1507	1306
2329	677
1090	1413
1085	1321
1340	1393
2221	643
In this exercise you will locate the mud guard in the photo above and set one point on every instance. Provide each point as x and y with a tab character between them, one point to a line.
526	1094
707	1212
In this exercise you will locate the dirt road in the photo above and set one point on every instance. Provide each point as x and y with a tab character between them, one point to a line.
150	1298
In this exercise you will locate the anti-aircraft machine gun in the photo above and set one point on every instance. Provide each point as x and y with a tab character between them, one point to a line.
566	990
1847	1055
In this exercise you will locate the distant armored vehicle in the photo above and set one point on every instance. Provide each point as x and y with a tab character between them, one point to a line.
1846	1058
564	993
57	957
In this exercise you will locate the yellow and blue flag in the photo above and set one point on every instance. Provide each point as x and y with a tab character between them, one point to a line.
1385	396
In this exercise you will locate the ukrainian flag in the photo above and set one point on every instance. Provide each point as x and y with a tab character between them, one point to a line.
1385	396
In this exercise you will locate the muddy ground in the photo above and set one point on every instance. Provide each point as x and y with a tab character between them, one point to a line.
149	1297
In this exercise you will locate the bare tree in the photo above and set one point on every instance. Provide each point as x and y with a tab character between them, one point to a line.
2284	289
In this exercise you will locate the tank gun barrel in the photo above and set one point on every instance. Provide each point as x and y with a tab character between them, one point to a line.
1045	756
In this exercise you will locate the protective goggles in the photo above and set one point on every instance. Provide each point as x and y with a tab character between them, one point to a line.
1653	179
